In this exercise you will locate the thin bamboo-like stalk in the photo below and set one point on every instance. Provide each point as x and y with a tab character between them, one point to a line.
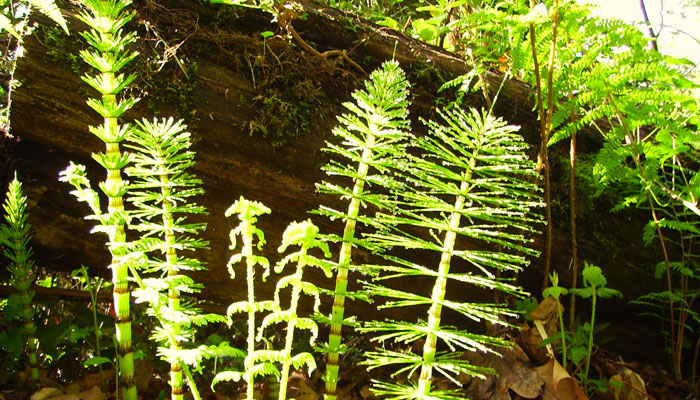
108	57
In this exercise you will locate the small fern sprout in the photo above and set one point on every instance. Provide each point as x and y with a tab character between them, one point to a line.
372	132
161	190
248	213
468	183
15	239
305	235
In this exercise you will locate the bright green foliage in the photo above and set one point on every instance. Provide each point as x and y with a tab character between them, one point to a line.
471	181
14	21
161	191
652	114
372	133
51	10
248	213
681	234
305	235
15	238
594	286
92	286
108	55
556	291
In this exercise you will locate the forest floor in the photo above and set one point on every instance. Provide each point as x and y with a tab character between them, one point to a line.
525	371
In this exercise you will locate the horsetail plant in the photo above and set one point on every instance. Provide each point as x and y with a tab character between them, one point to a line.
305	235
108	55
248	213
371	135
160	191
15	239
470	184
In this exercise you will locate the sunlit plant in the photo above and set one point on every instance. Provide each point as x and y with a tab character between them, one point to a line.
248	213
305	235
594	287
108	54
14	27
15	237
372	133
471	180
161	191
555	291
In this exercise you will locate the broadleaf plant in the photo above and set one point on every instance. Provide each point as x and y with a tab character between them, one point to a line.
15	237
594	286
472	181
108	54
372	132
161	192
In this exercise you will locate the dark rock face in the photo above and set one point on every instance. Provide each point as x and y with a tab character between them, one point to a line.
50	119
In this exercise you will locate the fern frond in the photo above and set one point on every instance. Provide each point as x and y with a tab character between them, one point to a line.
51	10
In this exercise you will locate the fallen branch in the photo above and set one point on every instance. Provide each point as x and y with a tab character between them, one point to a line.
75	295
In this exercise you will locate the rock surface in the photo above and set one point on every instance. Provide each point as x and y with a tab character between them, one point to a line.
50	120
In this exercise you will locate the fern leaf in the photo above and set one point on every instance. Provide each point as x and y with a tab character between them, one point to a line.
51	10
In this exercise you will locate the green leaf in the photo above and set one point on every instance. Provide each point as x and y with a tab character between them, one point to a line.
226	376
583	293
7	25
388	22
95	361
51	10
593	275
425	29
606	293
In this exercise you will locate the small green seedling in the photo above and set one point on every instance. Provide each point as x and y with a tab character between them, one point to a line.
594	286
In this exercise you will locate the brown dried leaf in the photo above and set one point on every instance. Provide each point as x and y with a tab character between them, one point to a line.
514	373
558	384
45	393
546	310
633	386
93	394
90	380
530	341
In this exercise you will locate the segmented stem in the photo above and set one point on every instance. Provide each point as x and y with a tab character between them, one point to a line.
108	56
341	278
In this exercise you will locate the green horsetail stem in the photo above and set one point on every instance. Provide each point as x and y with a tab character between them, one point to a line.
160	192
438	293
467	182
15	239
108	55
371	133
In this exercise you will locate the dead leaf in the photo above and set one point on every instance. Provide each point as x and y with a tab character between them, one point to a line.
530	341
45	393
558	384
73	388
93	394
304	391
633	386
546	319
366	392
545	311
91	380
515	373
